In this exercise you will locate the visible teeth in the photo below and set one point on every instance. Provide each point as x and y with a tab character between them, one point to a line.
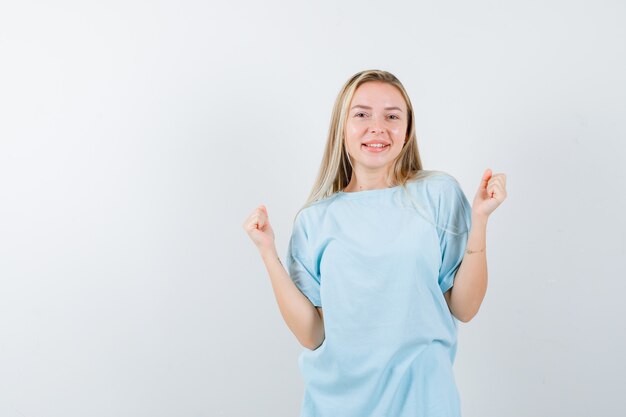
376	145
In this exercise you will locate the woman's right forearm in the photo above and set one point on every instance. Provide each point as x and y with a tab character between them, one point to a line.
297	310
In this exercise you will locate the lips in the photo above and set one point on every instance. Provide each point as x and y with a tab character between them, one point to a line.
372	142
374	148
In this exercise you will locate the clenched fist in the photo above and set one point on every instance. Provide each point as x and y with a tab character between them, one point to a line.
258	227
491	193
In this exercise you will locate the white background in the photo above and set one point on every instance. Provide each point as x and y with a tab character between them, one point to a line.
136	136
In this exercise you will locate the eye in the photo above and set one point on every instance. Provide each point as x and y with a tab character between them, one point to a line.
358	114
396	117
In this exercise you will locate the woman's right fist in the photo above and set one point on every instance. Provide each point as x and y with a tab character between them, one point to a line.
258	227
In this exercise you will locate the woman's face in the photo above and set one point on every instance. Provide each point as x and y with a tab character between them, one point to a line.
377	114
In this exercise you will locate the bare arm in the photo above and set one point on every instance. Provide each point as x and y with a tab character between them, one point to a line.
470	282
303	319
319	310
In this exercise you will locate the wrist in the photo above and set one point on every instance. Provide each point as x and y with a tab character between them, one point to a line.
268	253
479	219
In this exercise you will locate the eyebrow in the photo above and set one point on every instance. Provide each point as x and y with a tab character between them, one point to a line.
369	108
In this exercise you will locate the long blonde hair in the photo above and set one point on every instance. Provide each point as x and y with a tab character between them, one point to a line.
335	170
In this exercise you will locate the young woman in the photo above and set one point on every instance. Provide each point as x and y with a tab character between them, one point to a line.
383	259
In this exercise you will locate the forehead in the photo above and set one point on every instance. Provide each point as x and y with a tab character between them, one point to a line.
378	94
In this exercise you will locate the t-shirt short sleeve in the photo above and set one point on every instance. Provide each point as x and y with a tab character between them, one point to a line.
454	214
301	262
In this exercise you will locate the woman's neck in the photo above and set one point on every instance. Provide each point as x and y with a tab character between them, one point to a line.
368	184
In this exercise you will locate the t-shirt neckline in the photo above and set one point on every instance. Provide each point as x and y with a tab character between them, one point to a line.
367	193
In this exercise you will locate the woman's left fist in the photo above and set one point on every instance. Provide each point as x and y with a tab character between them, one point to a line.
491	193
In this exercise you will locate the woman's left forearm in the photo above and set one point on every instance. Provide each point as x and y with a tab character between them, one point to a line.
470	281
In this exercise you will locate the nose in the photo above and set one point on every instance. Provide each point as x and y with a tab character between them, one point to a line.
377	126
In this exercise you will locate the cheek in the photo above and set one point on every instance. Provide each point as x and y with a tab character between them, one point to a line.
351	130
398	131
353	135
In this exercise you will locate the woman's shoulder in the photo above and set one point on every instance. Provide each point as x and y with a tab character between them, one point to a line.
434	188
431	181
313	211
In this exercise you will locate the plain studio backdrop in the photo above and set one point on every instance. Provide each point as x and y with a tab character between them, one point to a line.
136	136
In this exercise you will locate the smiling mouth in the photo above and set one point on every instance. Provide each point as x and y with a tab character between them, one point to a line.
375	148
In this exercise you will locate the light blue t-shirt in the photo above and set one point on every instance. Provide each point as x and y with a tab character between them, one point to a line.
379	269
